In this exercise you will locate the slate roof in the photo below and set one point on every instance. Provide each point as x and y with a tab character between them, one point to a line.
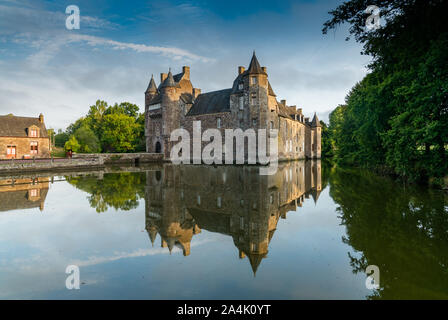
169	81
283	111
152	85
211	102
315	122
254	66
12	126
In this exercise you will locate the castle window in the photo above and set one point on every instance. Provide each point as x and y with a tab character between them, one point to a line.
254	122
218	123
242	223
272	124
241	101
199	200
253	80
33	147
240	86
219	202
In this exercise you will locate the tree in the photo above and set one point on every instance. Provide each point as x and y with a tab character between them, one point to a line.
395	119
126	108
120	133
60	139
72	144
87	140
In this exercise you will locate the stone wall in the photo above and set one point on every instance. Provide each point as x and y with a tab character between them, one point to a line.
23	146
78	161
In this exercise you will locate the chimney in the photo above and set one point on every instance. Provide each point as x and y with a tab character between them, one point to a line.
163	76
186	71
241	70
265	70
196	92
283	102
41	118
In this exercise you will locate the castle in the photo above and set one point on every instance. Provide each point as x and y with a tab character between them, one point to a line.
249	104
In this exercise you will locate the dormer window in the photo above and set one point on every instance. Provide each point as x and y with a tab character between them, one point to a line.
240	86
33	133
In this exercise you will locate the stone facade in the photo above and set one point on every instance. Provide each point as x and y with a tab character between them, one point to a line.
23	137
250	104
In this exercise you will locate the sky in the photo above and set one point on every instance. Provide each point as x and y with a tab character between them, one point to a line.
46	68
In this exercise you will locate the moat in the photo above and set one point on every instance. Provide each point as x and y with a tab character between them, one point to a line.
225	232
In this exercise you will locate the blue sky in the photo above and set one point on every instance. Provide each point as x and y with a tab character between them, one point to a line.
46	68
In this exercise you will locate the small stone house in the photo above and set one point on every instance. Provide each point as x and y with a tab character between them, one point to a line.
23	138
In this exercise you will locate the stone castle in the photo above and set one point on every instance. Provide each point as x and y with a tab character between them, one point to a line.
249	104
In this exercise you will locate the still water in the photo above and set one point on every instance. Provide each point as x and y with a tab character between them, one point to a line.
203	232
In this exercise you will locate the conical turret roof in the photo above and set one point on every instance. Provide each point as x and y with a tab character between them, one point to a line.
169	81
315	122
152	88
254	66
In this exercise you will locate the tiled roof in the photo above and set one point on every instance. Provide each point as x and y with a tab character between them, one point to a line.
12	126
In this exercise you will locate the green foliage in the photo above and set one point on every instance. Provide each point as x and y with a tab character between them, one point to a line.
60	139
88	141
396	118
119	133
327	151
72	144
117	128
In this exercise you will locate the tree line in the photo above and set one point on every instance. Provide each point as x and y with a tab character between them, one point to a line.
396	119
117	128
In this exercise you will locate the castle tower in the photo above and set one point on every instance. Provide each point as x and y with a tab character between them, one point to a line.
151	92
316	129
170	111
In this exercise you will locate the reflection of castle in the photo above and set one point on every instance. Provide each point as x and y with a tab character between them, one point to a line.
236	201
23	193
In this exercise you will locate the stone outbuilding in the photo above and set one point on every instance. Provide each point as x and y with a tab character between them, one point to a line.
23	138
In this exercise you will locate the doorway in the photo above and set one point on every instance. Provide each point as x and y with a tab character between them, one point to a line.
158	147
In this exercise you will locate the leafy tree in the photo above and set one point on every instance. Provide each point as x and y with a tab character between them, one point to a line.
72	144
88	141
60	139
126	108
119	133
396	118
327	151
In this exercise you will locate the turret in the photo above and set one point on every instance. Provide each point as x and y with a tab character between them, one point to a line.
257	74
151	91
169	82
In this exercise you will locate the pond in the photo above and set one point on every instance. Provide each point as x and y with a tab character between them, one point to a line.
201	232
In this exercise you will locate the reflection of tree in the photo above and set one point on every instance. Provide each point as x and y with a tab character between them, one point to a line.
117	190
401	230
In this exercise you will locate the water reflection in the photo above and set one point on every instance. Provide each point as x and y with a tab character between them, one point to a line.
321	251
234	201
402	230
23	193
